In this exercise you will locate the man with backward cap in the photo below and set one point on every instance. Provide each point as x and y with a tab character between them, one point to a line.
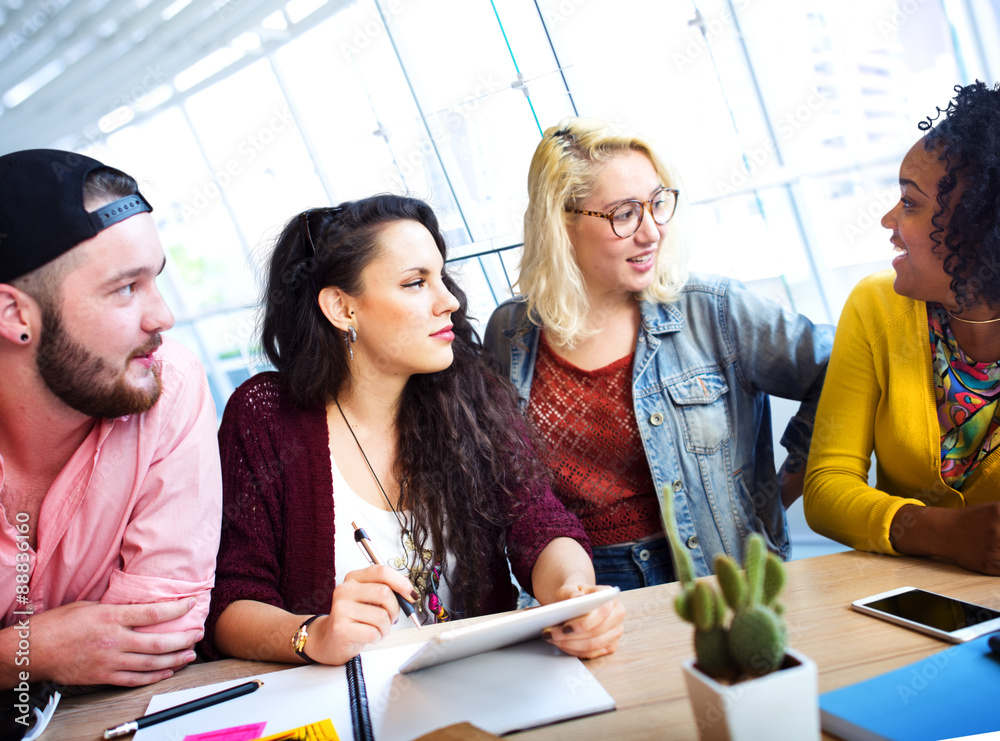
110	482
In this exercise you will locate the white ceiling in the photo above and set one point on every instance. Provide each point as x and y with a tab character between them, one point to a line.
80	60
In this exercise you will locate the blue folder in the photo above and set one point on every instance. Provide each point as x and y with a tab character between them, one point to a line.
954	693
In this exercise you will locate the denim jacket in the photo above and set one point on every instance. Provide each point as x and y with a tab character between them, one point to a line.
702	372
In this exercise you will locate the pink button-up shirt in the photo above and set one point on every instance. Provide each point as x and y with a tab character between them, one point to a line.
134	515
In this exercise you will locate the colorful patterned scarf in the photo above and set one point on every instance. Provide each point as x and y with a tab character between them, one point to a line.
966	393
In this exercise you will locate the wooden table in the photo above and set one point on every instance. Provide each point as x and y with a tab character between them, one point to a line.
644	675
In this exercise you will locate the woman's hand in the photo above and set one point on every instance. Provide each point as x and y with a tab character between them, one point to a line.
970	536
595	634
363	610
791	479
564	570
977	538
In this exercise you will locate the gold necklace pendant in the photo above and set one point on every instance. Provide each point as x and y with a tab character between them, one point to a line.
418	574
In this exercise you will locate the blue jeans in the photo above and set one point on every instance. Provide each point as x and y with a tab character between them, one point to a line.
633	565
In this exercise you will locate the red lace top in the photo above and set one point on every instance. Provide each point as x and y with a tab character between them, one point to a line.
592	446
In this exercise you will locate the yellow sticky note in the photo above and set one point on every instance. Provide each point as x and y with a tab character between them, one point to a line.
320	731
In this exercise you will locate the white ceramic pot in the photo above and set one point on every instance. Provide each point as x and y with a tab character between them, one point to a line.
780	705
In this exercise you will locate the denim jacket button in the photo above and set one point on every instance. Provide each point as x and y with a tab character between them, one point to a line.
656	420
692	542
644	555
678	485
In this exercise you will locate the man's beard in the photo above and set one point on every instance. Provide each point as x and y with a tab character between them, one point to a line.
85	382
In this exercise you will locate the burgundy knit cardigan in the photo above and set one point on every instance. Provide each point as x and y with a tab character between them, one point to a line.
278	526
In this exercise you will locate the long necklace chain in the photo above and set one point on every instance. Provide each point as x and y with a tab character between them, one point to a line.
441	612
402	526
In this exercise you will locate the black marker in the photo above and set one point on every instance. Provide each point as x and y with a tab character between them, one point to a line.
362	539
183	709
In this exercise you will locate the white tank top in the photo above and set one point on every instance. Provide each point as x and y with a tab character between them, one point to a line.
384	532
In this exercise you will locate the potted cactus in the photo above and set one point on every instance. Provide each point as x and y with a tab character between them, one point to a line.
744	682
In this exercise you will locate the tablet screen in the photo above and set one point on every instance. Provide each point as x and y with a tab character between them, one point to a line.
503	630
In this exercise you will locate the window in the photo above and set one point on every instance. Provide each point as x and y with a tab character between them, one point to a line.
787	120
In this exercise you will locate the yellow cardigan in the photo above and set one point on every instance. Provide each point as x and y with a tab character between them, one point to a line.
879	394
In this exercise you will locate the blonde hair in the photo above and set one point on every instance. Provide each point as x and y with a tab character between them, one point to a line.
562	173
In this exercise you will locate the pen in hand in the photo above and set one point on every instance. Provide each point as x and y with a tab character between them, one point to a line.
183	709
365	543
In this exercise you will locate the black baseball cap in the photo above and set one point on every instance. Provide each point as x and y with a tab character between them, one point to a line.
41	208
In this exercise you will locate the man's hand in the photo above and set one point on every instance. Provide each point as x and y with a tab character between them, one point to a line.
85	643
595	634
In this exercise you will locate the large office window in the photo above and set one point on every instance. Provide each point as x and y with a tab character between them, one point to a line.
786	118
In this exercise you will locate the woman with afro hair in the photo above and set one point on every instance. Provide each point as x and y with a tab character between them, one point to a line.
915	369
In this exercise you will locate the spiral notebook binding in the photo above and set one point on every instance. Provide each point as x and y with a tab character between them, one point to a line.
360	718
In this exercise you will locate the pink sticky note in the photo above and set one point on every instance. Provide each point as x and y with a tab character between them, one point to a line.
236	733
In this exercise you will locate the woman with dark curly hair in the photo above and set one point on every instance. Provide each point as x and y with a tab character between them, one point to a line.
915	370
383	412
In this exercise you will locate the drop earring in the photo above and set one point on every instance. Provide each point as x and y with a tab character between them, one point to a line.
350	337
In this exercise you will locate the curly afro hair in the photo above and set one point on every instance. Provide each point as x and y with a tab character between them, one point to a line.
967	141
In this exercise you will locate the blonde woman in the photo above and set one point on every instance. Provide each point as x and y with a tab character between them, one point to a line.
642	381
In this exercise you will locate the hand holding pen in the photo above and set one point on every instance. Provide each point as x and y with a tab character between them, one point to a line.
365	543
361	614
361	611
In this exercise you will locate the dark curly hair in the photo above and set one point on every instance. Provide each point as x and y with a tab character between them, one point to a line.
463	448
967	141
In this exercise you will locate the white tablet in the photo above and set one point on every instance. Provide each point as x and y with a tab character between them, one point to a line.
505	630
